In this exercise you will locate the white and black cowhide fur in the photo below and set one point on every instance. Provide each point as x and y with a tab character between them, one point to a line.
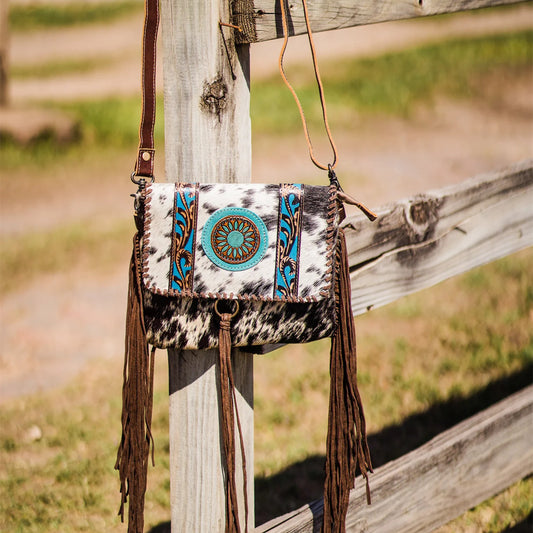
192	323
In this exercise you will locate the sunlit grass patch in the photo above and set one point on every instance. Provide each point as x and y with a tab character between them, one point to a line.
58	68
104	125
408	363
394	83
115	121
64	480
32	16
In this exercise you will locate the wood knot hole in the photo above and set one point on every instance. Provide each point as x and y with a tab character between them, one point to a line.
420	212
214	97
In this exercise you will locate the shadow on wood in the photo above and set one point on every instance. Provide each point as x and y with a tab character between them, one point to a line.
302	482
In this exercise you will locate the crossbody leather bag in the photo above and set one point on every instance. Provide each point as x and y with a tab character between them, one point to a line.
217	265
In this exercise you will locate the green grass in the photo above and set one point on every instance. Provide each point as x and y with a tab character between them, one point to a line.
394	83
44	16
58	68
114	121
65	481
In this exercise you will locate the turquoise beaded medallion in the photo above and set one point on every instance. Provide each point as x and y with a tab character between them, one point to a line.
234	238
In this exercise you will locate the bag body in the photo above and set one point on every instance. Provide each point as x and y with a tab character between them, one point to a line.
269	247
237	265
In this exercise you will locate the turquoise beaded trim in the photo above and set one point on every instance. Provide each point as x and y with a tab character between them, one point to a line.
234	238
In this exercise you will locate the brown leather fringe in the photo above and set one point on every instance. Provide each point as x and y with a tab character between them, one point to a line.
137	398
347	447
229	414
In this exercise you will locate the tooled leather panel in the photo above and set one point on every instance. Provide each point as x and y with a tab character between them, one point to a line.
317	235
288	246
184	235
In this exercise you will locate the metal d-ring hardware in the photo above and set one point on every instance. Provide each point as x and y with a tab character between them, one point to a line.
234	302
141	182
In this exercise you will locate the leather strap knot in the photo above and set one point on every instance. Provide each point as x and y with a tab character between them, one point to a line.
230	418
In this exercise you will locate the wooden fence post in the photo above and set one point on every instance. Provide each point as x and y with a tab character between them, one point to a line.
208	139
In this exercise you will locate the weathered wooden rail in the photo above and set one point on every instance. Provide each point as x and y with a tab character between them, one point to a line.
420	241
260	19
442	479
417	243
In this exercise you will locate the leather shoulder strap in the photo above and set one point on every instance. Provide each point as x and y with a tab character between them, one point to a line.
145	157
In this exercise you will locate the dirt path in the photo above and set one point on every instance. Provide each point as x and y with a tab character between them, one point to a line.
58	323
117	46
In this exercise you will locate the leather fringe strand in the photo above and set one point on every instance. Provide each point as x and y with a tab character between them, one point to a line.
137	399
229	415
347	447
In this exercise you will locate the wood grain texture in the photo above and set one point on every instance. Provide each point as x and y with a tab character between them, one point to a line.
207	119
207	139
335	14
420	241
196	472
440	480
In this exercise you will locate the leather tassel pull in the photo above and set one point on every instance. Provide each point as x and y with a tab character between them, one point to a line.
347	199
137	398
347	447
229	415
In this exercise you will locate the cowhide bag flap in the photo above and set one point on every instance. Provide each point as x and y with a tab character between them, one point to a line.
265	252
236	265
